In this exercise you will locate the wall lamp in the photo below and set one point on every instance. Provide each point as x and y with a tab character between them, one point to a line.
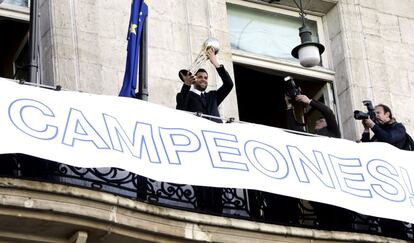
308	52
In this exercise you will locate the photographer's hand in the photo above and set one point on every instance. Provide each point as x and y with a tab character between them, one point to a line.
368	123
288	103
303	99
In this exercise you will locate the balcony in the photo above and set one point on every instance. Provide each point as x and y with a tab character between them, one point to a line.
110	204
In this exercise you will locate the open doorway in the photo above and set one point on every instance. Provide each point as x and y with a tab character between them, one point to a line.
13	48
260	95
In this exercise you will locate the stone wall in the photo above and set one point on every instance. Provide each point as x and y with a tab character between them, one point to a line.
373	58
370	42
177	30
90	45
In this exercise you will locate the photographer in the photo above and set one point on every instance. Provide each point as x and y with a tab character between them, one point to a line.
384	127
328	217
324	126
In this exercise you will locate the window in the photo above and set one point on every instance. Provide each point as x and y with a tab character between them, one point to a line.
265	33
262	37
23	3
14	20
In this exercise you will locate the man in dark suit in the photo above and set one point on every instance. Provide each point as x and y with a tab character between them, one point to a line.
193	96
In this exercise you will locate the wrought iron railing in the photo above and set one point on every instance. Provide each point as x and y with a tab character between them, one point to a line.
227	202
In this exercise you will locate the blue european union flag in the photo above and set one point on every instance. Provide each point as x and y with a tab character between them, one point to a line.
139	12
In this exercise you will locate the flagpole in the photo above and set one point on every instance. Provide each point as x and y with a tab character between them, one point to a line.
143	59
33	42
135	51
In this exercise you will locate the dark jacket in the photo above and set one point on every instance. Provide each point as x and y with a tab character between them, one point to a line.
332	128
392	133
190	101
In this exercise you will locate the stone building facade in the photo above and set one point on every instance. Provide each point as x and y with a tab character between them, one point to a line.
369	56
368	52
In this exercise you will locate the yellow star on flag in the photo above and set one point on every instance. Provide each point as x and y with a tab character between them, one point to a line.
133	29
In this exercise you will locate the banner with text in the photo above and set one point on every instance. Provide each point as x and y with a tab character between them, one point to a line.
164	144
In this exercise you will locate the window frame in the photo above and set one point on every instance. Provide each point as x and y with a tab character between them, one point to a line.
15	12
21	14
19	51
323	72
320	72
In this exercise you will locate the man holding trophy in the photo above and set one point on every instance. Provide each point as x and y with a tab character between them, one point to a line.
193	96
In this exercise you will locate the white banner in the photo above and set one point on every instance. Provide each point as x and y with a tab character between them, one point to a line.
164	144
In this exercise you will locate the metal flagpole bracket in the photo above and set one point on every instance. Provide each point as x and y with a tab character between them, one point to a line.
56	88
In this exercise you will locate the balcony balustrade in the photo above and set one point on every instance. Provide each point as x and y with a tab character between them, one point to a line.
227	202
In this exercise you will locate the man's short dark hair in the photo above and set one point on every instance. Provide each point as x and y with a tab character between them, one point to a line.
386	109
201	70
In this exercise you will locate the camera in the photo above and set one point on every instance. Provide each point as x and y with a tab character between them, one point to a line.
359	115
292	90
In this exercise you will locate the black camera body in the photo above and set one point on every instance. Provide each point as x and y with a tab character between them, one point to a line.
359	115
292	90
